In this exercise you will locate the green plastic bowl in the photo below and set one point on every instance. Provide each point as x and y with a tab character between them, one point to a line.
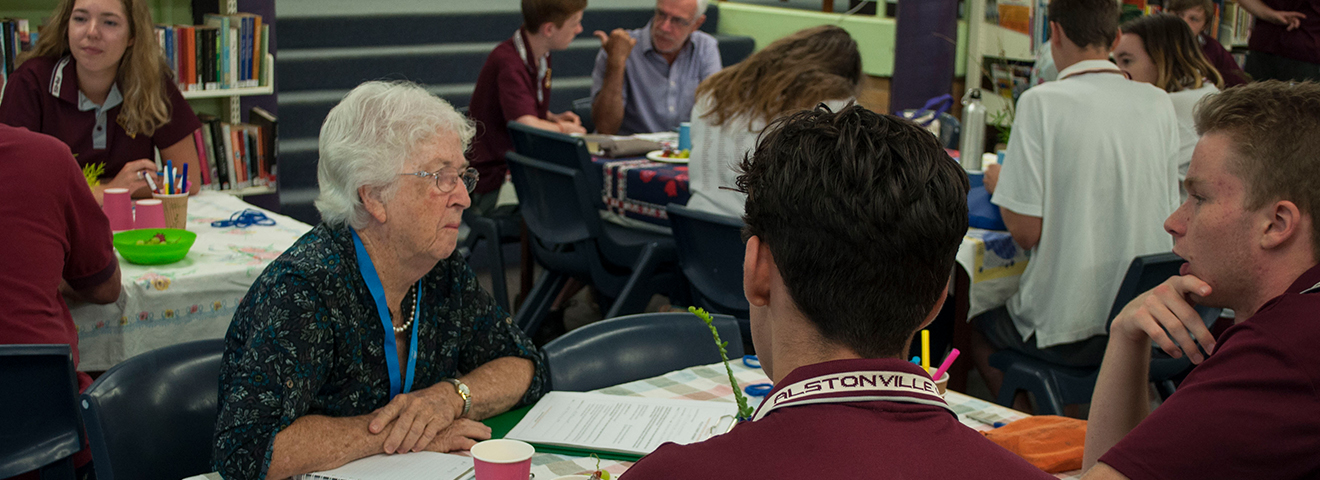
126	243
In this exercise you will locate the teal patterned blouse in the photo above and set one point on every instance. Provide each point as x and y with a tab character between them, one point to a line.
307	340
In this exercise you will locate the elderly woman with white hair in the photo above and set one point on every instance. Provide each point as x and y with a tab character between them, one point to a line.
370	334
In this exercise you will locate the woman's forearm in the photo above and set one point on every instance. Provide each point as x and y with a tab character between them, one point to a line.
498	385
314	443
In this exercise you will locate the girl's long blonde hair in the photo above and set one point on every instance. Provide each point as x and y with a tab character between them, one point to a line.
142	72
792	73
1173	48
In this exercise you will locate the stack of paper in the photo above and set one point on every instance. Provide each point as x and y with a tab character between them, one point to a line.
633	426
405	466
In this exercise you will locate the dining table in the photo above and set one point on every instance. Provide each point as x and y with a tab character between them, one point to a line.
192	299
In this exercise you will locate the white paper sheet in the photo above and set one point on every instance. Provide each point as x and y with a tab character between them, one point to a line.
407	466
633	425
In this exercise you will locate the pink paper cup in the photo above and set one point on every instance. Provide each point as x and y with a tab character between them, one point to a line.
118	208
502	459
149	214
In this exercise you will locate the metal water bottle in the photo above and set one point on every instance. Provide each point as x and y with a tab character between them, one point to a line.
972	143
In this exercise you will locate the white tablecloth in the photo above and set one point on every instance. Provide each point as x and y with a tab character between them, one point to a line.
993	264
192	299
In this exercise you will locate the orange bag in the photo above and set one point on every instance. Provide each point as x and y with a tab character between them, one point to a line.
1051	443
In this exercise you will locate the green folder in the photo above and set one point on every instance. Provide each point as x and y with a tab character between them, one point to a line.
501	424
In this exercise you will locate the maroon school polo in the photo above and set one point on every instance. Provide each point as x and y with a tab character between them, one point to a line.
42	96
1222	61
507	88
912	436
1302	43
1251	410
53	230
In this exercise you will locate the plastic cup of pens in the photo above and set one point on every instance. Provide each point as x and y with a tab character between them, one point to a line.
502	459
176	209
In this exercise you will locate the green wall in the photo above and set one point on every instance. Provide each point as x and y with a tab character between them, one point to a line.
874	35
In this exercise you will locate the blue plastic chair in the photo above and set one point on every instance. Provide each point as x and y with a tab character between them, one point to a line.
710	254
564	150
582	107
634	347
152	417
40	428
571	240
1055	386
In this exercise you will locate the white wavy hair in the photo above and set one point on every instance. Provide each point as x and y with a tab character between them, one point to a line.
701	8
368	136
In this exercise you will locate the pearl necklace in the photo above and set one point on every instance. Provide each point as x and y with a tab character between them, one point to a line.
404	327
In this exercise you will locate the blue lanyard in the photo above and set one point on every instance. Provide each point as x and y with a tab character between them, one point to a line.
383	310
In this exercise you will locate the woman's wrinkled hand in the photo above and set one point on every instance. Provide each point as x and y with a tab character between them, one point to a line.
418	417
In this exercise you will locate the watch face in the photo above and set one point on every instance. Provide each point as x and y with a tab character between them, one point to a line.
462	387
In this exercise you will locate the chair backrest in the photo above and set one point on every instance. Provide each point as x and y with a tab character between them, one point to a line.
153	416
710	253
634	347
39	421
582	107
560	149
1147	272
549	196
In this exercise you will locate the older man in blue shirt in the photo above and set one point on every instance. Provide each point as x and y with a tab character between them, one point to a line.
646	79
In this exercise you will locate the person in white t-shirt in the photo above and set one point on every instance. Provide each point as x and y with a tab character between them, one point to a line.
1088	179
1160	50
819	64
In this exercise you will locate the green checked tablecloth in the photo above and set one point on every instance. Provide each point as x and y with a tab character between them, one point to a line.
711	382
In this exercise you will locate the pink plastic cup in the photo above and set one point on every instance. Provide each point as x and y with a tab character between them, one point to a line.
149	214
118	208
502	459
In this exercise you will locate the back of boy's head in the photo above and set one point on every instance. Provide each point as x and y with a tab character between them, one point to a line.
863	214
1087	23
540	12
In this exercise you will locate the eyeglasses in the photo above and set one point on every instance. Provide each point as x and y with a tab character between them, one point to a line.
447	179
680	22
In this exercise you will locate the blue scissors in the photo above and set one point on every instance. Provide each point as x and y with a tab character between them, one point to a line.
244	219
756	389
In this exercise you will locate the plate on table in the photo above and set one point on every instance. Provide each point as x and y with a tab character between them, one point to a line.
659	156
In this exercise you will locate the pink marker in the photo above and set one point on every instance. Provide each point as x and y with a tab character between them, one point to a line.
948	362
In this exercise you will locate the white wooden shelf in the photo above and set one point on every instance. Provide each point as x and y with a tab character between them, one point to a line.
228	92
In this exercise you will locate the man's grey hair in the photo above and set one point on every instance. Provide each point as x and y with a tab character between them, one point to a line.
367	138
701	8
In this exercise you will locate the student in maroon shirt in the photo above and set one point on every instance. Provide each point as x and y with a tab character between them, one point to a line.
514	85
1285	40
853	221
1248	231
57	241
97	80
1197	14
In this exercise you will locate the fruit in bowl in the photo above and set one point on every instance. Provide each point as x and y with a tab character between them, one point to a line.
154	246
669	153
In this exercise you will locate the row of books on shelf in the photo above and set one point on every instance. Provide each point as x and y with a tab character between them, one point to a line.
229	51
238	155
1234	23
16	36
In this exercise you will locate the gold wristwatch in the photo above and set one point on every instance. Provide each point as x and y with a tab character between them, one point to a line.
463	391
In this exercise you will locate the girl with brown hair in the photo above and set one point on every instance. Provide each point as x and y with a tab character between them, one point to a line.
1199	15
97	80
1161	50
811	66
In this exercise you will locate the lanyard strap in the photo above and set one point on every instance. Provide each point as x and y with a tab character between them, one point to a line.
863	386
377	290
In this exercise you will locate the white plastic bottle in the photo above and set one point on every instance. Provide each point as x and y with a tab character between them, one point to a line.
972	142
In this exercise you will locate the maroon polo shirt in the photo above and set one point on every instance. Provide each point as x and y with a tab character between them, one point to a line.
42	96
871	440
1302	43
53	230
1222	61
1250	410
506	89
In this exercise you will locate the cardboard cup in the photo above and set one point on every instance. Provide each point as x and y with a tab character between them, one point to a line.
118	208
942	383
176	209
149	214
502	459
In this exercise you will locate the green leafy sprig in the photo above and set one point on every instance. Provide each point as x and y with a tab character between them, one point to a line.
744	410
92	172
